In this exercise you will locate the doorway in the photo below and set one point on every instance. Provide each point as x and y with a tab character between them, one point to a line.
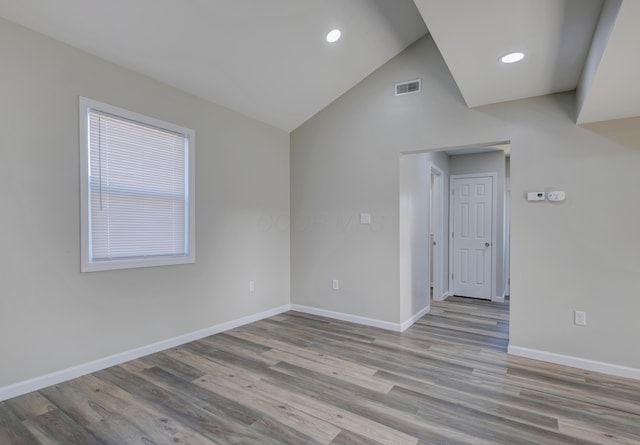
424	181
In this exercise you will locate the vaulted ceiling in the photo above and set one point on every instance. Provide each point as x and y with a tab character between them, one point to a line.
269	59
586	45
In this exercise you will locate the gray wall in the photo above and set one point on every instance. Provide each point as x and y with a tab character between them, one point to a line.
52	316
581	254
490	162
415	185
415	221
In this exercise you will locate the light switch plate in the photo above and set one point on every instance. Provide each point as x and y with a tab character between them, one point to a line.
580	318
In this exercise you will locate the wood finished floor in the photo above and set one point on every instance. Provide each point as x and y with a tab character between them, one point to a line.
302	379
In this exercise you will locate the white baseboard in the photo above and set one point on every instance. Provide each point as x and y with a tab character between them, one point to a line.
348	317
576	362
498	299
408	323
37	383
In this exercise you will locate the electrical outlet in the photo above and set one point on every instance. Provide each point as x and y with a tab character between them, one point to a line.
252	286
580	318
335	284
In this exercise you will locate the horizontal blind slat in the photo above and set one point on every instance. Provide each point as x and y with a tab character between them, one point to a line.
137	189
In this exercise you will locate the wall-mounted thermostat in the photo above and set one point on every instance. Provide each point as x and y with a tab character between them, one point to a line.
535	196
556	196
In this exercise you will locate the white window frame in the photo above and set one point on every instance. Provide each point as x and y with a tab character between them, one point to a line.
87	264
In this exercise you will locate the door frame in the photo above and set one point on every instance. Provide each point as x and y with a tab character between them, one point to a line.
438	252
494	228
507	237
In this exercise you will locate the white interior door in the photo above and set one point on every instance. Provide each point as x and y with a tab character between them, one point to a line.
472	229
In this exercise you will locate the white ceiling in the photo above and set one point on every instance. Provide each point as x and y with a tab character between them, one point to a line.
584	45
269	60
472	35
614	88
266	59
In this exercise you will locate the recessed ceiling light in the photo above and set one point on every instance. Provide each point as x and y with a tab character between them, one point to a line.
512	57
333	35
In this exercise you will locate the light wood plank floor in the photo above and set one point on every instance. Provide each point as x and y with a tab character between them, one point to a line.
302	379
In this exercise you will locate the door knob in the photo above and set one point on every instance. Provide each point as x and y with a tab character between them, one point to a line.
487	244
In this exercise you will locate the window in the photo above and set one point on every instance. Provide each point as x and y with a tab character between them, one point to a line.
136	188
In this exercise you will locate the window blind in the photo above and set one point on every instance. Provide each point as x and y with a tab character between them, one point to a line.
138	190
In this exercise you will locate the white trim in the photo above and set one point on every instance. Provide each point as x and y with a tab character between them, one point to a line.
506	268
409	322
86	263
37	383
396	327
576	362
494	224
442	297
438	252
498	298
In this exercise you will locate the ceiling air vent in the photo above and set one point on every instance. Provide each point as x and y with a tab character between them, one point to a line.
412	86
